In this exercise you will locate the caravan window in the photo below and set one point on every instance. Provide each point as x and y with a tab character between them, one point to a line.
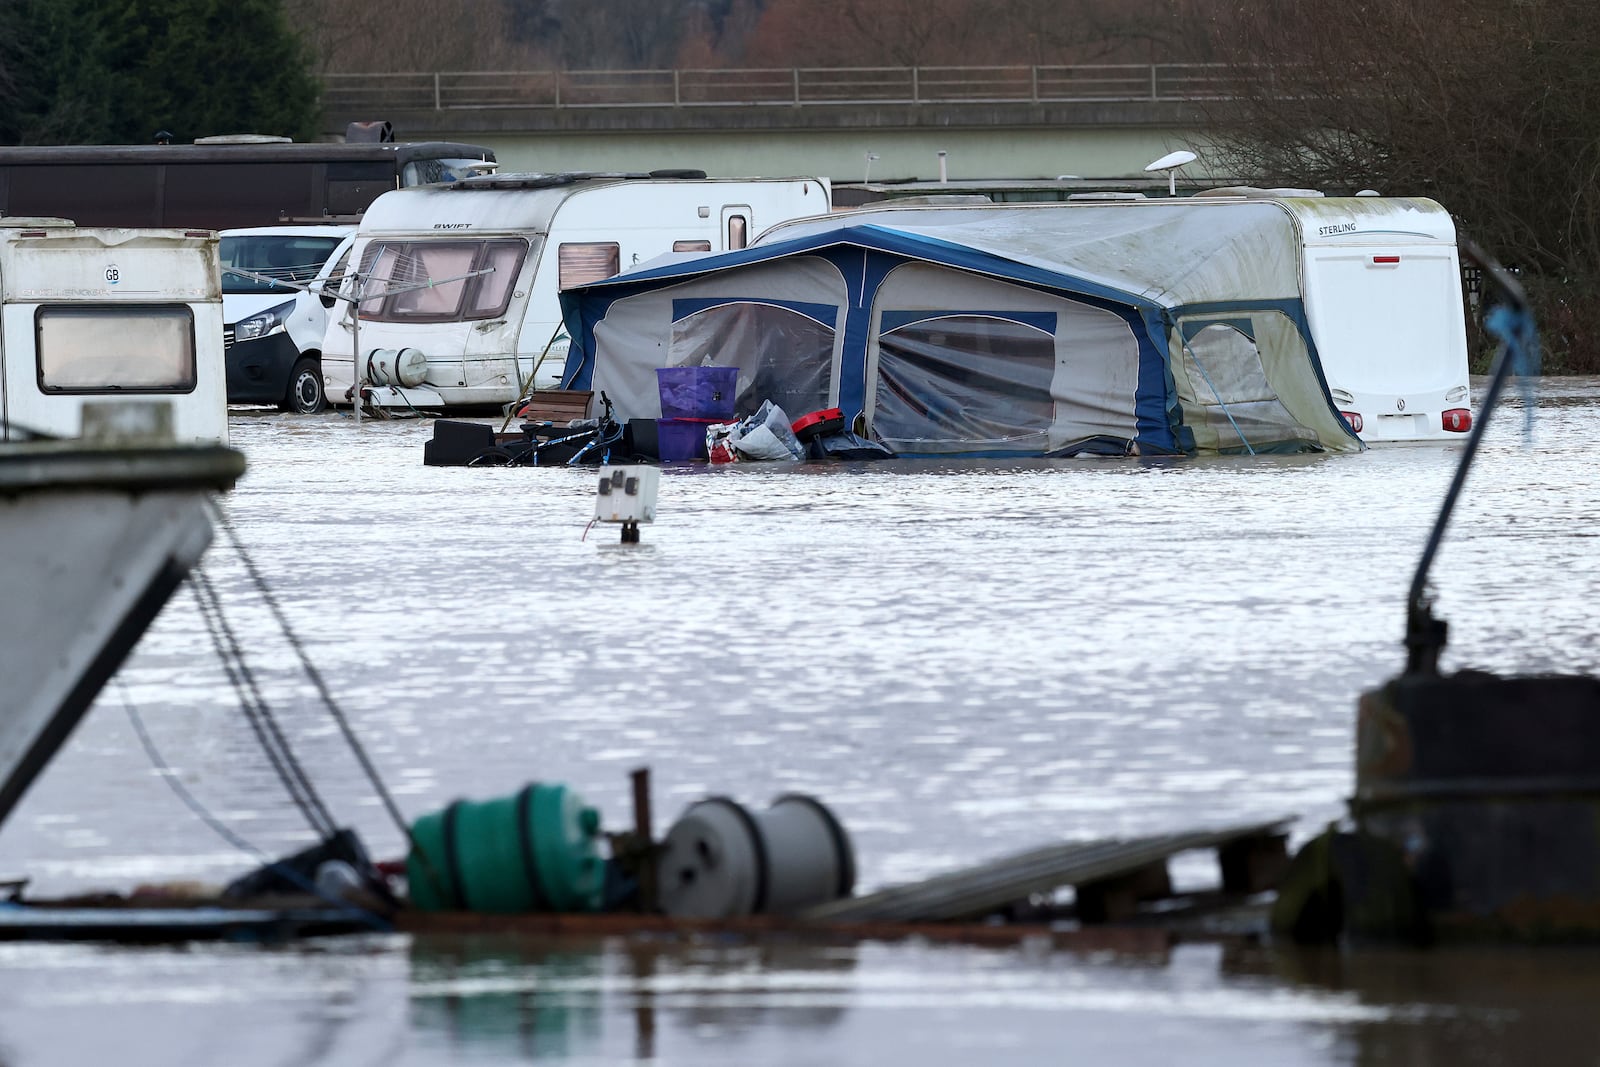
492	292
410	281
123	348
691	246
965	379
738	231
582	263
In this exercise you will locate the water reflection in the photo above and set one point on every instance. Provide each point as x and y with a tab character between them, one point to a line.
516	998
1458	1005
506	999
439	1001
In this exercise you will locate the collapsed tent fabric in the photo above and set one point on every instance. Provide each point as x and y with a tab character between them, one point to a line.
1156	335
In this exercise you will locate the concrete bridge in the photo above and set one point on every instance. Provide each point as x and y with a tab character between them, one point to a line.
847	124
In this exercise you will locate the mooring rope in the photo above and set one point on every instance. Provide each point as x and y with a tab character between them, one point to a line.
326	695
222	830
257	712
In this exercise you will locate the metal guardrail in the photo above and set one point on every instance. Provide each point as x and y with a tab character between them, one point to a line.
790	87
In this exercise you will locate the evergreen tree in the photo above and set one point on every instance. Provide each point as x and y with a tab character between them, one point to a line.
115	71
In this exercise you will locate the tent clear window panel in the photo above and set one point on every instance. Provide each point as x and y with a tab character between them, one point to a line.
783	355
121	348
586	262
426	281
963	383
1227	398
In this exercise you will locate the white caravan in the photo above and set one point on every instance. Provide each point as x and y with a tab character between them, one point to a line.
1384	295
1379	277
460	281
94	315
273	334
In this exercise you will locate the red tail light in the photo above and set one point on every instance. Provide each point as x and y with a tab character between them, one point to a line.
1457	420
1353	418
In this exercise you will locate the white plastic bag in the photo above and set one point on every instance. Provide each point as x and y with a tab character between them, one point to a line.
766	435
719	442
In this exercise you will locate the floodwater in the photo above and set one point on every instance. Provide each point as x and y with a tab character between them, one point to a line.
961	659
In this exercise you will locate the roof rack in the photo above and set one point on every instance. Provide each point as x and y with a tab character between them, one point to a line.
570	177
1250	192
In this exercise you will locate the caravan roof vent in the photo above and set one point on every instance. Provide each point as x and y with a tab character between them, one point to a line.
244	138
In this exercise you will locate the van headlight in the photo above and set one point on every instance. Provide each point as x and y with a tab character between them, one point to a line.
263	323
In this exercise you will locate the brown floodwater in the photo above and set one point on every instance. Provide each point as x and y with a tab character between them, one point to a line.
961	659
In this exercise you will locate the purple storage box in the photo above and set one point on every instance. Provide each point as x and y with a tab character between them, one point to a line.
698	392
680	439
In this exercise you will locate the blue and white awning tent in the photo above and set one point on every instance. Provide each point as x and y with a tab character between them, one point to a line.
1015	331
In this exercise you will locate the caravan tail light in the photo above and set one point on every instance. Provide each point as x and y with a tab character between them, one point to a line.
1457	420
1385	261
1354	420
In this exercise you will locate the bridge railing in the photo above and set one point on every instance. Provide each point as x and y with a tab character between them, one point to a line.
793	87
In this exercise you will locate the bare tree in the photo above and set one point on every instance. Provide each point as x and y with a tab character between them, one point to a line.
960	32
1488	106
361	36
620	34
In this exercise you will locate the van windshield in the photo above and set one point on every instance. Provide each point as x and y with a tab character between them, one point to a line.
446	280
292	257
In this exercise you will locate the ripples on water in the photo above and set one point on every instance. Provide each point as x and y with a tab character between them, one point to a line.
961	659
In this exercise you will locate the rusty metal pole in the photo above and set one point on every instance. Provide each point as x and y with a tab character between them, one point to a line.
645	839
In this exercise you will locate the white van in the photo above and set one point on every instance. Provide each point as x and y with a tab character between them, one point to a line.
460	281
1379	278
273	333
91	315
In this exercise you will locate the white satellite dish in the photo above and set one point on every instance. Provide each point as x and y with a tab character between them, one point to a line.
1170	163
1172	160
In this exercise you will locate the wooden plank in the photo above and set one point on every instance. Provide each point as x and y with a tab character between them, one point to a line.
24	922
984	889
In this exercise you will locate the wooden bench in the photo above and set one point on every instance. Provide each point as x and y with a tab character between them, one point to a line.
559	406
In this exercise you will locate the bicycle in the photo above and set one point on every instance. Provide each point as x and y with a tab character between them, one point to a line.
588	442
